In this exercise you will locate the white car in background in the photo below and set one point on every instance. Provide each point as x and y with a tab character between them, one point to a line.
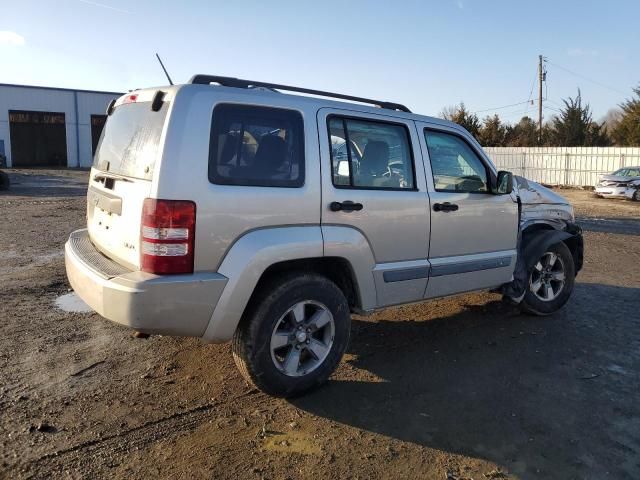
623	183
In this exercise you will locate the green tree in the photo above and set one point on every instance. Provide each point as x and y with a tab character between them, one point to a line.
492	133
522	134
460	115
574	126
627	131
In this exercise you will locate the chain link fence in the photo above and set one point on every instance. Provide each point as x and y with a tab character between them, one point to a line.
570	166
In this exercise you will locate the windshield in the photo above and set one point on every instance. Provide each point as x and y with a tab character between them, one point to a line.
623	172
130	141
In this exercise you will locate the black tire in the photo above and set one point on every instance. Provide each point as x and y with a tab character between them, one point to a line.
636	196
4	181
251	344
532	304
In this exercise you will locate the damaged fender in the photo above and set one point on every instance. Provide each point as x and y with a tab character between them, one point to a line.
541	206
531	246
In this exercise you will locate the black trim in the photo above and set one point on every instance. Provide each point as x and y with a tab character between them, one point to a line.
344	118
259	112
201	79
158	99
413	273
491	177
472	266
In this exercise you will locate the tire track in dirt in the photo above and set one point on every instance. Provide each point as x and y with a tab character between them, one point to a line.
105	449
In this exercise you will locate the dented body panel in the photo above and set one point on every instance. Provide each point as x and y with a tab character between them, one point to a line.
546	218
540	204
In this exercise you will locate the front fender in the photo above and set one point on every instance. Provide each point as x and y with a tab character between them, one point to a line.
245	263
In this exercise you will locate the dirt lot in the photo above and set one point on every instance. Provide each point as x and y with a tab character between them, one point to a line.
458	388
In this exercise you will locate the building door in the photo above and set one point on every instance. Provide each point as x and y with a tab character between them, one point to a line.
38	139
97	124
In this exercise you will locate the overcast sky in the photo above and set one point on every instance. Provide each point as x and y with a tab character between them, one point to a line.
425	54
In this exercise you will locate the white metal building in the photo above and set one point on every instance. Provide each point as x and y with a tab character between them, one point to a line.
55	127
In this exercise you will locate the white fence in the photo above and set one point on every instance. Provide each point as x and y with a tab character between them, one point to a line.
572	166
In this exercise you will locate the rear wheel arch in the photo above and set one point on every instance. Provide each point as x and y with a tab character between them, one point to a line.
336	269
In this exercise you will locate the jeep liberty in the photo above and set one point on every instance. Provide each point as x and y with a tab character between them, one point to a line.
227	210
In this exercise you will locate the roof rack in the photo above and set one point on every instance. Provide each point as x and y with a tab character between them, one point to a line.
239	83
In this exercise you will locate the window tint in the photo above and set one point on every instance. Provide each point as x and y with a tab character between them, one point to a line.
454	165
256	146
379	155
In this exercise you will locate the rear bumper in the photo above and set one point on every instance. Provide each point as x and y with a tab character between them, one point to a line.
179	305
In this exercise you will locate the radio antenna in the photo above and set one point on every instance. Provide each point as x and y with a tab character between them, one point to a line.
165	70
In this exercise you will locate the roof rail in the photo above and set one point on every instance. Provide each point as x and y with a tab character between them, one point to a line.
239	83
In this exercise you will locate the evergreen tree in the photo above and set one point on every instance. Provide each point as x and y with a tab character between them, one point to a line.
492	133
460	115
574	126
522	134
627	131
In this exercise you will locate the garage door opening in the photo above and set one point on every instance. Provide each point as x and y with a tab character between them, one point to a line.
97	125
38	139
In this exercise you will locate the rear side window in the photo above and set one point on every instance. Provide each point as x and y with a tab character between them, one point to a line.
379	154
130	141
256	146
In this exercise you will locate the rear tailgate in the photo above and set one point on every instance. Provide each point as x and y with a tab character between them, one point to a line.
122	175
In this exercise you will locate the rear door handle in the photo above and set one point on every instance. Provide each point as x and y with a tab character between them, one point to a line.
346	206
445	207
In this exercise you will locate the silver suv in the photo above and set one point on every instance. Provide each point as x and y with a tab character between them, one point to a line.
226	210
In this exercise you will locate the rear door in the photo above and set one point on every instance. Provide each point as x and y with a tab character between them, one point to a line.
473	232
373	182
122	175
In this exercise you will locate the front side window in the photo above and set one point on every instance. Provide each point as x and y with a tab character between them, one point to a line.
454	165
256	146
379	154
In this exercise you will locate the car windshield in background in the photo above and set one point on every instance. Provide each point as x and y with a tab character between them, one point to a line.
130	139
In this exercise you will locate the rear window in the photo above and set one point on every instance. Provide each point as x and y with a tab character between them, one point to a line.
130	140
256	146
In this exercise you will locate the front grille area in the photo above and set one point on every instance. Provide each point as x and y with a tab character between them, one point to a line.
81	245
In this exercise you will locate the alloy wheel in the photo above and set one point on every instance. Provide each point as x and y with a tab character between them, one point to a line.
302	338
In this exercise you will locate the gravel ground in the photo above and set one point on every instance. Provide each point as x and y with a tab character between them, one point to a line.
463	388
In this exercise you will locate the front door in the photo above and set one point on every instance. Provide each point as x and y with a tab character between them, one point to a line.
373	186
474	232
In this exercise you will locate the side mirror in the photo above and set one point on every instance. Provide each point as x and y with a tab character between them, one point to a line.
504	183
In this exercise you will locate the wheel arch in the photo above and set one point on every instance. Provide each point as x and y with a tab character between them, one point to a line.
261	254
534	240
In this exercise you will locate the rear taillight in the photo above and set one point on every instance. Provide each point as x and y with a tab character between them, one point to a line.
167	236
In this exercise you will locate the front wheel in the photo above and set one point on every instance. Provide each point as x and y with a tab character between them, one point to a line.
551	281
293	334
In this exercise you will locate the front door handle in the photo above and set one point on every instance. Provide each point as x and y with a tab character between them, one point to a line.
346	206
445	207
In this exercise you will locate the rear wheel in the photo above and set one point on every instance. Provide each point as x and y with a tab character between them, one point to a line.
293	334
550	281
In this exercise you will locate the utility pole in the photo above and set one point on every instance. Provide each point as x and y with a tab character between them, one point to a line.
540	80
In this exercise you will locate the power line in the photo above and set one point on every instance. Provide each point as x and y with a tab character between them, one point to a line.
587	78
500	108
533	83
